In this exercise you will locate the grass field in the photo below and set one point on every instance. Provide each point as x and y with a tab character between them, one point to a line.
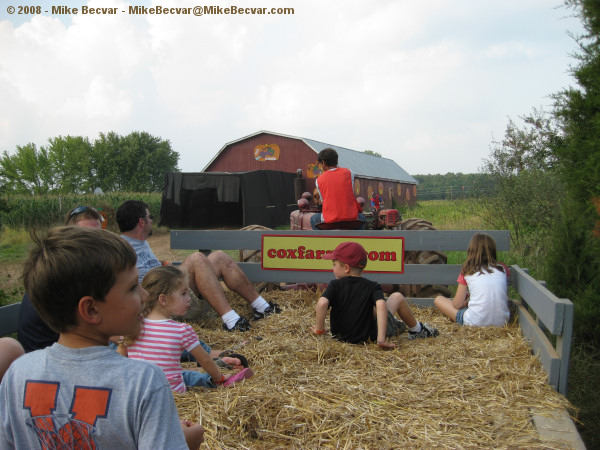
449	215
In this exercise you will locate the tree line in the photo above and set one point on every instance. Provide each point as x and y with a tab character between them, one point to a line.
452	186
72	164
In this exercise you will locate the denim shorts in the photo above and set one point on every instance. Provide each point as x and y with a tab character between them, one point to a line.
195	378
459	316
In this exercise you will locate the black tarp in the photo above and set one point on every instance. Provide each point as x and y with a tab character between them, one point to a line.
216	199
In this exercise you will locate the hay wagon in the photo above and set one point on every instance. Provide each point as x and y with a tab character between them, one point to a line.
546	322
499	388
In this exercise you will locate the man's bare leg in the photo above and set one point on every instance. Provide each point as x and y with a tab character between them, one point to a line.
235	279
205	282
204	274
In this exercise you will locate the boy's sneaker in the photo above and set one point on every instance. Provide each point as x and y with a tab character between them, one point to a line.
426	331
241	325
271	309
241	375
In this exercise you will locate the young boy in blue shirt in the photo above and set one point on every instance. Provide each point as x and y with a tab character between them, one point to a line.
359	311
78	393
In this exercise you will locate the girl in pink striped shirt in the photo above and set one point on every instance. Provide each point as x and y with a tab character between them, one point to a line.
162	340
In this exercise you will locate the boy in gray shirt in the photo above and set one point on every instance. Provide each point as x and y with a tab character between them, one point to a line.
78	393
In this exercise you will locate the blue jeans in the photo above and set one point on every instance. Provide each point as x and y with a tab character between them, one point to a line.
194	378
187	356
459	316
361	216
314	220
318	218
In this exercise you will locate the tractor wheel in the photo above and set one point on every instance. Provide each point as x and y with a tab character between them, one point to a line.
254	256
416	224
422	257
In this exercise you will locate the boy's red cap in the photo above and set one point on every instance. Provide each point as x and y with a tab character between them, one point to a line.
350	253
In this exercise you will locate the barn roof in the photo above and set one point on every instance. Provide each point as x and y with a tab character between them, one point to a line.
360	163
363	164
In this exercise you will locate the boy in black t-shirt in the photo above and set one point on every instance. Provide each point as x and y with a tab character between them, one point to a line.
359	311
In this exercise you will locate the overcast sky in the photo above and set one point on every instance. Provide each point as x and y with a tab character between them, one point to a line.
426	83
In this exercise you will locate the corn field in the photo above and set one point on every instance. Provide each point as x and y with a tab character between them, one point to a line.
27	211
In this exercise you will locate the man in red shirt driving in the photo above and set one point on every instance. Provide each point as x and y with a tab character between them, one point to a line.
336	188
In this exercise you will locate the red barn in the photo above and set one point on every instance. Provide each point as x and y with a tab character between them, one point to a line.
273	151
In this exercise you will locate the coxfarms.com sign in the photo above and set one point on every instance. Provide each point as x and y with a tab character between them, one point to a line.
293	252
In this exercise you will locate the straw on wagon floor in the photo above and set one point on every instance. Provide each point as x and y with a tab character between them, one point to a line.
469	387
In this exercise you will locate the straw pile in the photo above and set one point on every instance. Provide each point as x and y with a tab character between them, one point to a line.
470	387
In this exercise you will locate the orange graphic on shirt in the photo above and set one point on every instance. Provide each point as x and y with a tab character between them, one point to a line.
57	430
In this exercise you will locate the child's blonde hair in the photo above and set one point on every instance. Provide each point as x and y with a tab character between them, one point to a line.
161	280
481	255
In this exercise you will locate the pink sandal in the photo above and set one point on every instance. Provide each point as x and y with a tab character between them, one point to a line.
241	375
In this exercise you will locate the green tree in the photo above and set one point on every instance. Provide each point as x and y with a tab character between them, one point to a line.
27	171
106	160
527	148
372	153
574	269
69	159
136	162
527	186
578	109
62	166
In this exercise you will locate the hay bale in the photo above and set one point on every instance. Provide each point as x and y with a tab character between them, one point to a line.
470	387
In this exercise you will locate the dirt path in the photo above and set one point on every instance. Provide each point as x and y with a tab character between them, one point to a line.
161	246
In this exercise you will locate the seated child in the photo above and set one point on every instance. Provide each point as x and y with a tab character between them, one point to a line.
78	393
481	297
162	340
359	311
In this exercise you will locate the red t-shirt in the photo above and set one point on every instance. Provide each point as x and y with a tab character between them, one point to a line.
339	203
